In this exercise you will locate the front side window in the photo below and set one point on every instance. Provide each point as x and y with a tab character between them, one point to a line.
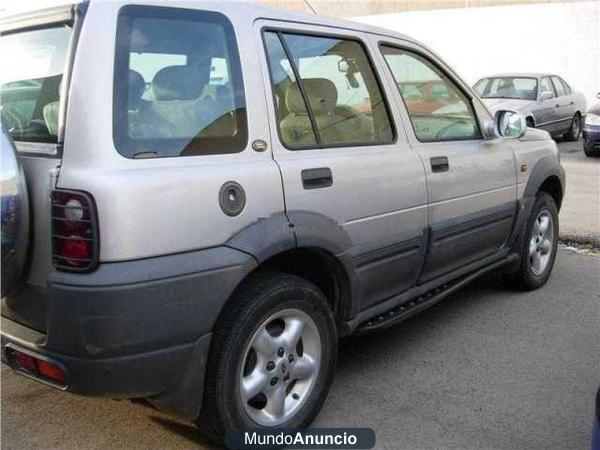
328	95
30	82
519	88
558	87
546	87
438	109
178	84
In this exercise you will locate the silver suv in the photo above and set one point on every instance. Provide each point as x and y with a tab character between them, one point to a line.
219	191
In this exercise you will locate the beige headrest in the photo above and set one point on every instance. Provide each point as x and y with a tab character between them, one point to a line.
321	92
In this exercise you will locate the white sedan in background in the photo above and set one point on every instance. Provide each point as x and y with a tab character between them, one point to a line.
546	101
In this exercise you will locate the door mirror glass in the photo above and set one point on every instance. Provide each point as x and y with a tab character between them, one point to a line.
546	95
510	124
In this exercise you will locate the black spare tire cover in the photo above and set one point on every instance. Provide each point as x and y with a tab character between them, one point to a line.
15	215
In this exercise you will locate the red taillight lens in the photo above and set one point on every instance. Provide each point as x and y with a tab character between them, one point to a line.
75	231
36	366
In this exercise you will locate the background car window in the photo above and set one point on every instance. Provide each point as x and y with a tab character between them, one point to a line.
337	84
520	88
546	86
434	117
30	81
558	86
178	84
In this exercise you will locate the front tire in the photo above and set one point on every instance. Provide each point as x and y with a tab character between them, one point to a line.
540	242
272	357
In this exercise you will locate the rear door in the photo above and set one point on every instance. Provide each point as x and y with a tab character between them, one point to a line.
564	104
471	180
346	165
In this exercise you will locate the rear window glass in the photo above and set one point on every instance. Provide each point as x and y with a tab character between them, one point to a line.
178	84
30	82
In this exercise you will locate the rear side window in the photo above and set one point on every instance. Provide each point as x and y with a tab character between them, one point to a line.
178	84
33	63
326	92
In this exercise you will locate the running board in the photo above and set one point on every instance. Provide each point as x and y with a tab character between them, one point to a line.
412	307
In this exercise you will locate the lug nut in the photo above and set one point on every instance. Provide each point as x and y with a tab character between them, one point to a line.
286	376
274	381
291	358
280	352
270	366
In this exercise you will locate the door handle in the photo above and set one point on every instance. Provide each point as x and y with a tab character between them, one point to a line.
439	164
317	178
558	105
572	103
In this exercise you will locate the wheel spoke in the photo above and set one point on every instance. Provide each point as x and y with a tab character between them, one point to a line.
532	246
264	344
276	401
304	368
536	261
292	332
254	384
544	224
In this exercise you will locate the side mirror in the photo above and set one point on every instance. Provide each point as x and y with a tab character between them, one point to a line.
546	95
510	124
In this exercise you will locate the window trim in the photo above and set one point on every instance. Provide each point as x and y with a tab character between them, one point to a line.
458	85
283	30
121	66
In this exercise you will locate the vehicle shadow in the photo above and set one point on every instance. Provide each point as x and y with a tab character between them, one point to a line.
185	430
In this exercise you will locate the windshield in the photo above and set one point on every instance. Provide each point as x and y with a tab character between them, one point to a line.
521	88
30	81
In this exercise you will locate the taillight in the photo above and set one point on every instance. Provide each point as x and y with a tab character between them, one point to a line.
37	366
75	240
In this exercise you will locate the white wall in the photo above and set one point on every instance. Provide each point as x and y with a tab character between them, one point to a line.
562	38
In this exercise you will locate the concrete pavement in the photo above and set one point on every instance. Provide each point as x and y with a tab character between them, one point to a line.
486	368
580	213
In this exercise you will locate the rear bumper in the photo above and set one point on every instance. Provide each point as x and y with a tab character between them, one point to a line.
134	375
135	329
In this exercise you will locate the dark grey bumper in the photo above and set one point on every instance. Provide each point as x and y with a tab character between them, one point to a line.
139	328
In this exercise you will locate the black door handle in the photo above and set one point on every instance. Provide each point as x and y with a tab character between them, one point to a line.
317	178
439	164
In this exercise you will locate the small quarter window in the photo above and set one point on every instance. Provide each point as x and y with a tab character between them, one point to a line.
438	109
178	84
337	100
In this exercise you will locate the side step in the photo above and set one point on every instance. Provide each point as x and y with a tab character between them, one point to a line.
410	308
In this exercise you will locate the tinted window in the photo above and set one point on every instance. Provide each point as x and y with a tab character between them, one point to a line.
337	100
30	82
522	88
546	86
178	84
442	112
558	86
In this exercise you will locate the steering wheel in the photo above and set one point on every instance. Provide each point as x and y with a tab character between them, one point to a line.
442	133
12	119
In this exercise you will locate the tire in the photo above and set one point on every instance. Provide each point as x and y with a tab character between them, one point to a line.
575	129
243	348
532	274
590	151
529	122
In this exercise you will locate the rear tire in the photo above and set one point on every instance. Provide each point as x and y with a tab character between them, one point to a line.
575	130
257	377
538	250
590	151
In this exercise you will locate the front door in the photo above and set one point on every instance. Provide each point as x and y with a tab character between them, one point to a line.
346	168
471	180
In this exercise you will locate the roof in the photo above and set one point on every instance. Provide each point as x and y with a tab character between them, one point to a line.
520	75
252	9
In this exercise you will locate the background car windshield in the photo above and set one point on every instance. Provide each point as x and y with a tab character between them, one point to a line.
30	82
507	87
